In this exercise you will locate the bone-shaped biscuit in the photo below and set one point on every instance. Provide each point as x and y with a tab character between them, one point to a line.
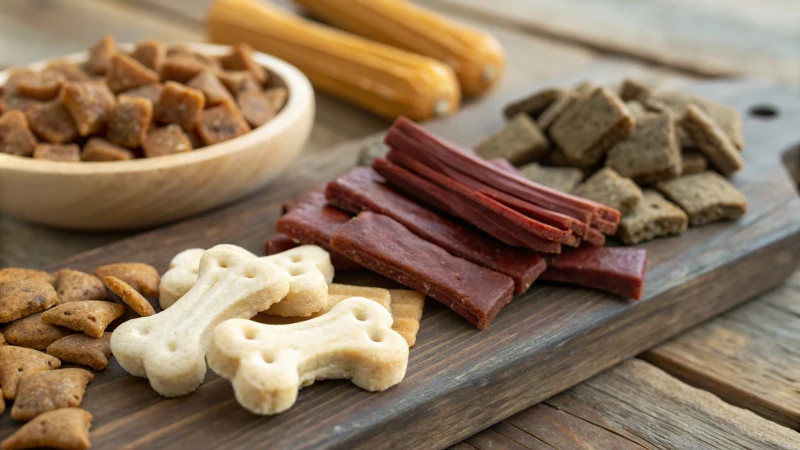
309	267
169	348
268	364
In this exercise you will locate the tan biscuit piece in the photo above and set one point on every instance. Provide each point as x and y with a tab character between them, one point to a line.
693	162
213	89
549	115
66	428
534	104
14	274
31	332
407	309
90	103
563	179
82	349
57	152
241	58
268	364
181	68
221	123
129	123
130	296
100	150
638	110
90	317
256	107
336	294
100	55
633	90
142	277
43	391
676	103
181	276
179	104
238	81
22	298
711	140
150	54
42	85
52	122
16	137
653	217
519	141
650	154
169	348
74	285
167	140
16	362
126	73
706	197
150	92
610	189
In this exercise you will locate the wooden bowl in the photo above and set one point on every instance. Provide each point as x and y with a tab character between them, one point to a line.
146	192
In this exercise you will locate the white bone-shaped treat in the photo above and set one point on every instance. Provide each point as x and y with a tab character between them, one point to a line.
309	267
268	364
169	348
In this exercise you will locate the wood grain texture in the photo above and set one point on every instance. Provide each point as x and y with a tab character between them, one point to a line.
461	380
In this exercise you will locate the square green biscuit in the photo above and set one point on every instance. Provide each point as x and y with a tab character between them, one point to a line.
546	119
519	141
633	90
692	161
711	140
610	189
706	197
638	110
652	217
562	179
676	103
591	127
650	154
534	104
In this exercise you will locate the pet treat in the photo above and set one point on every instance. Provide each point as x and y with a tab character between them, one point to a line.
25	297
66	428
18	361
150	54
268	364
31	332
129	296
130	121
256	107
142	277
179	104
650	154
638	111
14	274
126	73
182	68
407	309
616	270
519	141
706	197
534	104
693	161
166	140
150	92
277	243
652	217
311	221
74	285
82	349
90	103
554	111
43	85
633	91
52	122
47	390
71	71
16	137
562	179
181	276
238	81
221	123
676	103
213	90
336	294
608	188
169	348
277	96
57	152
711	140
241	58
90	317
100	56
99	150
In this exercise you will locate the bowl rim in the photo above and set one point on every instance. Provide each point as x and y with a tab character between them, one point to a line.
300	95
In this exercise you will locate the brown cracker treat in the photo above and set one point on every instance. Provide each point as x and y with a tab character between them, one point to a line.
68	69
126	73
150	91
18	361
166	140
179	104
591	127
221	123
142	277
66	428
519	141
47	390
150	54
652	217
58	152
90	103
25	297
407	309
633	90
129	295
181	68
100	56
706	197
692	161
74	285
82	349
256	108
14	274
676	103
213	89
16	137
31	332
650	154
90	317
100	150
42	85
241	58
711	141
379	295
563	179
129	122
238	81
610	189
554	111
52	122
534	104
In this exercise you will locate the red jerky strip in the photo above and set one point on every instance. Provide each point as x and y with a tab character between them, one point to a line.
604	226
363	189
383	245
308	197
503	164
594	237
618	270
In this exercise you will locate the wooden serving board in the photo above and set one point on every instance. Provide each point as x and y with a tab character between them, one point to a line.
461	380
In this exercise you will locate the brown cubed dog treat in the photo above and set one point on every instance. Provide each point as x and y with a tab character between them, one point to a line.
142	277
519	141
82	349
706	197
213	89
711	140
650	154
74	285
633	90
554	111
129	296
18	361
277	96
90	103
16	137
256	107
58	152
14	102
99	150
183	50
151	91
31	332
43	391
23	298
150	54
692	161
179	104
610	189
66	428
534	104
42	85
590	128
126	73
68	69
238	81
100	56
652	217
52	122
166	140
221	123
129	122
563	179
14	274
181	68
90	317
637	110
676	103
407	309
241	58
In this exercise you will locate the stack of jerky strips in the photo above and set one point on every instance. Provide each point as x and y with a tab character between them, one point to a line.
467	232
629	151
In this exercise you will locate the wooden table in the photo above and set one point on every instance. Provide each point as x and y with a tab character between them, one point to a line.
728	383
